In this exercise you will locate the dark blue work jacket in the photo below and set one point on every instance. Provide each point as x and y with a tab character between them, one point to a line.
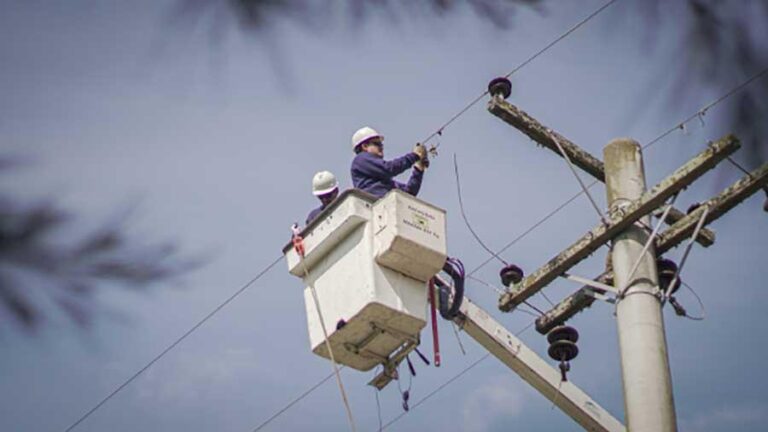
313	214
374	175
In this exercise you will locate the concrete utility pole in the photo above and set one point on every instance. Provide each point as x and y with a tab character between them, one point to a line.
648	401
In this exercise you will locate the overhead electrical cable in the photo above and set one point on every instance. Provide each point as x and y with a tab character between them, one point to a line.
173	345
466	108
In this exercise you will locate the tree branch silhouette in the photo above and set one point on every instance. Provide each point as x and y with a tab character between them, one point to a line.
37	270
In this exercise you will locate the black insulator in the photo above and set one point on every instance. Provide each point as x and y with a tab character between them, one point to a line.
667	270
692	208
340	324
500	86
563	332
511	274
666	266
563	350
449	308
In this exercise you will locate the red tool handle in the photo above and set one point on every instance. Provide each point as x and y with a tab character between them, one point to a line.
435	339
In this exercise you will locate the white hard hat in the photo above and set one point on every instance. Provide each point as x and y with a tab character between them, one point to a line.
363	134
324	182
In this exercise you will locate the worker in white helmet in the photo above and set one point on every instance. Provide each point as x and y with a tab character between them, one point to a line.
326	189
373	174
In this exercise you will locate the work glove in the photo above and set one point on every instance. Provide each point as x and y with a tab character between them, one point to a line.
421	151
422	164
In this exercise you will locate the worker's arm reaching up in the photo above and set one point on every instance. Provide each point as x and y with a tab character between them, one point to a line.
369	165
371	173
414	183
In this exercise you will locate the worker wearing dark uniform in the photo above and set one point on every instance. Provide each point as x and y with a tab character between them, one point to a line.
326	189
373	174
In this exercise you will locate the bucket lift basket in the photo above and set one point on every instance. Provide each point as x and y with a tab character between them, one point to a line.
369	261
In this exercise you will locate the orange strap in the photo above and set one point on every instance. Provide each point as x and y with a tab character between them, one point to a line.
298	244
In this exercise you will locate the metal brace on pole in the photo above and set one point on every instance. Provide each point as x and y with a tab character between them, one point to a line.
625	217
667	240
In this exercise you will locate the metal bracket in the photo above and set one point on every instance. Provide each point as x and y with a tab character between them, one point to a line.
672	237
390	366
601	234
591	283
390	363
597	295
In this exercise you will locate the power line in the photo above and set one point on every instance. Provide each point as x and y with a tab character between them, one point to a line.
464	215
597	12
173	345
294	402
702	111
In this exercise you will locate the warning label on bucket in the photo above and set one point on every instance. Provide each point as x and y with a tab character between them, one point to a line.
420	219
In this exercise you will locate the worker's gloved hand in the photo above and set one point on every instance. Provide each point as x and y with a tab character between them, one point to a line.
421	151
422	164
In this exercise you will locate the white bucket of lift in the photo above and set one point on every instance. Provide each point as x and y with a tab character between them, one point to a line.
368	261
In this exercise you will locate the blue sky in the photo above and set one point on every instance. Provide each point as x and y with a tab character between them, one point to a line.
116	105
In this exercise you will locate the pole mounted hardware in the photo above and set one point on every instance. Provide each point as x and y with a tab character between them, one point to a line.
550	139
666	241
619	220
